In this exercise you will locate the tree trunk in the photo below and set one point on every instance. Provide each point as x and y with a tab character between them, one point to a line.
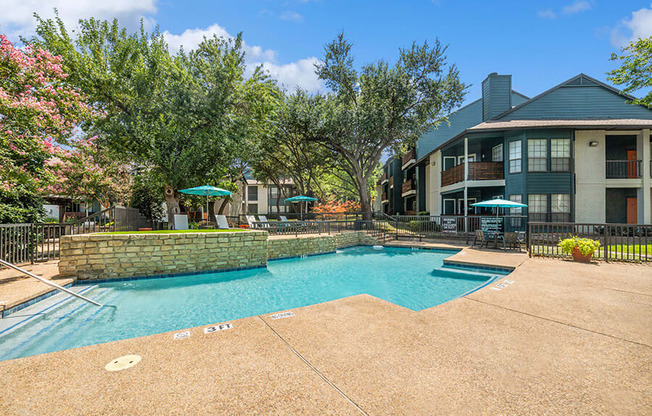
225	201
172	203
362	184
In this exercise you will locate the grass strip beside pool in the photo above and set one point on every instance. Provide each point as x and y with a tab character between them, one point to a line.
208	230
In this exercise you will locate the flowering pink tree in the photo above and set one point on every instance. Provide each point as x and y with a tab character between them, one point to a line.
37	108
88	173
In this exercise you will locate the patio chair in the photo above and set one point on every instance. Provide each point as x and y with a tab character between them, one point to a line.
181	222
283	218
480	238
222	222
510	239
262	218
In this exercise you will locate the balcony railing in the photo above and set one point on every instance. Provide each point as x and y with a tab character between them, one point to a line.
407	186
623	169
391	181
384	197
478	171
410	155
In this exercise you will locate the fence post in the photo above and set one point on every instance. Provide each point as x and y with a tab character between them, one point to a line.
32	243
528	228
607	233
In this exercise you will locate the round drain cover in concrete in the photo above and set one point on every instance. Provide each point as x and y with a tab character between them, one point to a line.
122	363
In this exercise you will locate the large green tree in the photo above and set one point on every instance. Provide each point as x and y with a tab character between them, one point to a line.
380	106
635	71
181	116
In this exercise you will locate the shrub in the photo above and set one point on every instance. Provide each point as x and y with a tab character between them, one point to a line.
586	246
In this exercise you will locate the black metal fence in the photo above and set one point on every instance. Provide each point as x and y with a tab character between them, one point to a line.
453	227
377	229
618	242
29	243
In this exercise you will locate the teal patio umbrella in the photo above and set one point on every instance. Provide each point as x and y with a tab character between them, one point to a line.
498	203
208	191
301	198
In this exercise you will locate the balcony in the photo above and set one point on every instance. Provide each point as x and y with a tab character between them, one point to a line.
478	171
408	188
384	199
408	159
382	179
623	169
391	182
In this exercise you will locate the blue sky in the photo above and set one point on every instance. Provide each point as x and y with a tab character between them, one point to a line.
541	43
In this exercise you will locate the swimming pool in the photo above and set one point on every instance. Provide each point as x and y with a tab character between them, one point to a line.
410	278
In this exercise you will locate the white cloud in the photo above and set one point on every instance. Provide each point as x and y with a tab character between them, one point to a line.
578	6
16	17
291	16
295	74
547	14
639	25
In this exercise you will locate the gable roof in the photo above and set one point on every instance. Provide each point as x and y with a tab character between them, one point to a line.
575	91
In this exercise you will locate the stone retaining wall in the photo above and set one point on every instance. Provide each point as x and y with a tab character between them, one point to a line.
110	256
107	256
298	246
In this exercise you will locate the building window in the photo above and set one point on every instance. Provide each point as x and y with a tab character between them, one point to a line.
253	193
537	205
516	223
273	192
560	154
515	156
497	153
537	155
252	209
560	208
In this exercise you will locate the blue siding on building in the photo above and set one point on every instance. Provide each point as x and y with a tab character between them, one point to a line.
578	102
496	95
458	121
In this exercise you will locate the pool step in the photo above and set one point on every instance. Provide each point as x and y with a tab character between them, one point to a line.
453	273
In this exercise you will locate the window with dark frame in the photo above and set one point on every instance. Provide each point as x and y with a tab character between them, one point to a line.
560	208
252	192
515	156
537	205
516	222
537	155
497	153
560	155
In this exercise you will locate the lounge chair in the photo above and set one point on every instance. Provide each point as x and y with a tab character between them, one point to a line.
283	218
251	220
181	222
262	218
222	222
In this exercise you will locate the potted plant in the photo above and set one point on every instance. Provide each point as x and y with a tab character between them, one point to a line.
580	248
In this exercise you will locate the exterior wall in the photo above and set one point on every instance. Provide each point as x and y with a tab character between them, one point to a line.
590	176
108	256
433	183
496	95
114	256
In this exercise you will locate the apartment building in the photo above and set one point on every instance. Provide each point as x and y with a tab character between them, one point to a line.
576	152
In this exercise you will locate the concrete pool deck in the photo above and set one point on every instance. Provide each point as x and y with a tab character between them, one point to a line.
553	337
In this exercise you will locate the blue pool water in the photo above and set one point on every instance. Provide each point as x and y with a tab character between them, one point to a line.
402	276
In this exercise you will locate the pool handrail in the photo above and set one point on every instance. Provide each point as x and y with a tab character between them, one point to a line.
47	282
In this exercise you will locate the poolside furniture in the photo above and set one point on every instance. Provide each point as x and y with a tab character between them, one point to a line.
251	220
222	222
283	218
181	222
262	218
480	238
512	240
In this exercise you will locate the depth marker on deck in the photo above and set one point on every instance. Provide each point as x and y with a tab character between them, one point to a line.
282	315
182	335
215	328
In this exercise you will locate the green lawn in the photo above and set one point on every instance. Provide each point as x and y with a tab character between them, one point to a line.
207	230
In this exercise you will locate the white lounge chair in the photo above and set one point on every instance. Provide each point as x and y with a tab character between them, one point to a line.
262	218
283	218
222	222
251	220
181	222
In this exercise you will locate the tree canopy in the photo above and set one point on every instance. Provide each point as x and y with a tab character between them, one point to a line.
635	71
180	116
380	106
